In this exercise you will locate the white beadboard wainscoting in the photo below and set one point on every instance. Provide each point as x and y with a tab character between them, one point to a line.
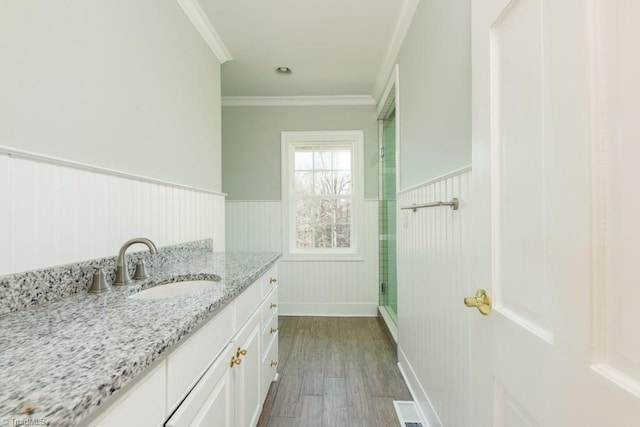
310	288
55	212
433	279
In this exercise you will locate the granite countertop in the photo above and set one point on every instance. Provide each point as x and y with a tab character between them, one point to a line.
68	357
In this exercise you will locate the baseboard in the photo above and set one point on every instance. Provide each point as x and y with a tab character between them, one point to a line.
328	309
423	404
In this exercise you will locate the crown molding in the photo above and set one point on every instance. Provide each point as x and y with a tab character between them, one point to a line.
204	26
299	101
402	27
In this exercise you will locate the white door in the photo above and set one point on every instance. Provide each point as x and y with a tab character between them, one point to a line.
556	138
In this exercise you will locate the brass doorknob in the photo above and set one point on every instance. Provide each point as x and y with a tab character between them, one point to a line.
481	301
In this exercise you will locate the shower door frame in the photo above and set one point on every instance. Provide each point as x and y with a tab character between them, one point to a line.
388	104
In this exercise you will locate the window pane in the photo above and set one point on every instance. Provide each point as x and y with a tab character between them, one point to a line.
303	159
342	160
324	236
303	182
322	196
306	210
304	236
322	160
343	211
323	183
343	235
326	213
342	182
328	183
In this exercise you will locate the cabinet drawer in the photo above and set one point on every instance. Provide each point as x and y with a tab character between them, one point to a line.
190	360
247	302
269	333
270	306
210	403
269	367
269	280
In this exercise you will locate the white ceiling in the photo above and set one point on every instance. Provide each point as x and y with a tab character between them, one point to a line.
334	47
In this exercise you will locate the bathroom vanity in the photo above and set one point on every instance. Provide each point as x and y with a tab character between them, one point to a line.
219	376
203	358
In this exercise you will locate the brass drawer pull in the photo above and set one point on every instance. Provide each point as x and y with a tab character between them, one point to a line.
273	363
273	330
272	280
273	305
241	352
235	361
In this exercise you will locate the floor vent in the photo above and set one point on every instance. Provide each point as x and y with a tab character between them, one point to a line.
407	414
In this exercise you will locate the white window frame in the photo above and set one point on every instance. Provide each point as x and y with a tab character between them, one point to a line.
291	140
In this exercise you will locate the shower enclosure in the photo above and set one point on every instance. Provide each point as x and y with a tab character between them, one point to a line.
387	221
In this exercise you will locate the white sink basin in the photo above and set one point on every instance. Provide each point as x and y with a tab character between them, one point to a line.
175	289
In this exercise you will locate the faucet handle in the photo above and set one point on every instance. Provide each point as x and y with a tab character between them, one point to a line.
99	282
141	272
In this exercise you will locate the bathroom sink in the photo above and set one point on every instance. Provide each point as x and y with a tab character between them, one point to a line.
175	289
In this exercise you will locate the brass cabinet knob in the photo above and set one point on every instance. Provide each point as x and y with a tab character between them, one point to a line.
272	280
235	361
273	330
241	352
273	363
273	305
481	301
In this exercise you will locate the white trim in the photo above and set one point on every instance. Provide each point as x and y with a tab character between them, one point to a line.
253	201
402	27
43	158
324	257
437	179
278	200
356	139
299	101
424	406
391	326
204	26
622	380
328	309
390	93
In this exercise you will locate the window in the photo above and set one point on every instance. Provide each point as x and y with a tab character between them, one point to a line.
322	192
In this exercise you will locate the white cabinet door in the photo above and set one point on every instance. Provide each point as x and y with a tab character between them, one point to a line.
247	374
211	402
555	148
143	405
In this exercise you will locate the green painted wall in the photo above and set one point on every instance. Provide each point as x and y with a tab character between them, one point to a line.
251	145
435	91
120	84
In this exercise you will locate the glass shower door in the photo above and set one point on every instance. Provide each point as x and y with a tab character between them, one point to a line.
387	219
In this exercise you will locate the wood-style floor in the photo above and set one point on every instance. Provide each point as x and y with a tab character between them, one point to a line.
334	371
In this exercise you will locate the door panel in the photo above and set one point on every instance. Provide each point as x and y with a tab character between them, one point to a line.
519	147
510	412
617	346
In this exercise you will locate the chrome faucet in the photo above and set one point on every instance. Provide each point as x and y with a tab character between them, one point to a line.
122	273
